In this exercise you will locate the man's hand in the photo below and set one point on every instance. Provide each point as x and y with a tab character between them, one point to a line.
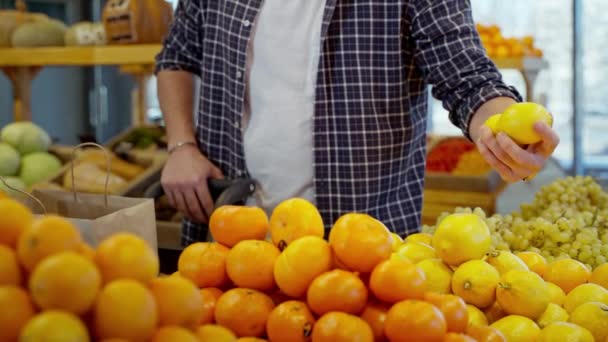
511	161
184	180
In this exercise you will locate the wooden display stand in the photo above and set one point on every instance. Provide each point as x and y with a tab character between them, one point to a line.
21	66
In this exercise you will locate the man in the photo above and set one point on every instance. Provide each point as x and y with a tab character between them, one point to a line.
325	100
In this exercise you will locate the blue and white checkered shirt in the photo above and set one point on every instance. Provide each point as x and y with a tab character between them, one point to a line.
377	58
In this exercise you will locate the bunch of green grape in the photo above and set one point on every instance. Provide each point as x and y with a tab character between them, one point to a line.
567	219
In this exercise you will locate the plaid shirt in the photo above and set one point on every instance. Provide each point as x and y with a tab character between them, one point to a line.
370	119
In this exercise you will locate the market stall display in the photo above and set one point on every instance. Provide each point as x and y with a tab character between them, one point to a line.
359	282
497	45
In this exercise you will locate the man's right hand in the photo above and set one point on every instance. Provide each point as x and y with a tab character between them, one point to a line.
184	180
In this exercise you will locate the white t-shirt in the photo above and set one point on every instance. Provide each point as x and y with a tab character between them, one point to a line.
278	120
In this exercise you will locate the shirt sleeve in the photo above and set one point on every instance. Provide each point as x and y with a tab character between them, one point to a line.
450	55
182	48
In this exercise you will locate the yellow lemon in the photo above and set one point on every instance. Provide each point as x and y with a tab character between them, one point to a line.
476	316
592	316
556	294
518	121
397	241
564	332
420	237
505	261
583	294
492	122
475	281
517	328
438	275
523	293
535	262
416	251
554	313
600	276
460	238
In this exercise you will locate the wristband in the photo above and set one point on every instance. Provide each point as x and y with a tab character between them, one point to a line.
180	145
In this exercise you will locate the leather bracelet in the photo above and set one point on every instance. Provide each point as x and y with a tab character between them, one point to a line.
180	145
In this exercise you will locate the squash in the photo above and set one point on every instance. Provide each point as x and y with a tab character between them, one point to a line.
85	34
137	21
118	166
11	19
89	178
39	33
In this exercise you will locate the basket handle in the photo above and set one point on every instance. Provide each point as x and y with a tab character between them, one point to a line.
109	164
24	193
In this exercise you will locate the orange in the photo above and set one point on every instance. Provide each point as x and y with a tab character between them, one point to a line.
10	271
55	326
65	281
230	224
485	334
204	263
15	219
454	310
290	321
46	236
126	309
251	339
600	276
454	337
375	316
494	313
126	256
300	263
214	333
360	242
395	280
174	334
292	219
244	311
337	290
567	274
87	251
536	262
179	301
341	327
415	320
250	264
210	296
17	310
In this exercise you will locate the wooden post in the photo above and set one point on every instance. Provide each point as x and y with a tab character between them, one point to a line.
21	79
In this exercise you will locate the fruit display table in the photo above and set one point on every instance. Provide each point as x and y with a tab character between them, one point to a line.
21	65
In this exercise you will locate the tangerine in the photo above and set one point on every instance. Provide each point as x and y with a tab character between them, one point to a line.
230	224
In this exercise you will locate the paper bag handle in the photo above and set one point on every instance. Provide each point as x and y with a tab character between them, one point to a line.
109	164
24	193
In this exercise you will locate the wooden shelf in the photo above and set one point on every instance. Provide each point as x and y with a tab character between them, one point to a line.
65	56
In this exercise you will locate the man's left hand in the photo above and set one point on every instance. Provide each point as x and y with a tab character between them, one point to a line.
511	161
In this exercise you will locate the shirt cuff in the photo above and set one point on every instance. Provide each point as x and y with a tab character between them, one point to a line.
463	115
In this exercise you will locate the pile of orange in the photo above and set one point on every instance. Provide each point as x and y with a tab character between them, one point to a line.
499	46
277	279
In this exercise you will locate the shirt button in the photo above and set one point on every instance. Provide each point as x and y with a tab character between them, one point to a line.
246	23
239	74
239	173
237	124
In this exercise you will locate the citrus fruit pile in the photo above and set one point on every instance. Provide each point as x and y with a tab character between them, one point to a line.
522	295
499	46
567	219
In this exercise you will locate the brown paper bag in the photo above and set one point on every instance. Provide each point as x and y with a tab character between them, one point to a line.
95	219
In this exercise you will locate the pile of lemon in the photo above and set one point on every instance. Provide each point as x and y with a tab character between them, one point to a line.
521	295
